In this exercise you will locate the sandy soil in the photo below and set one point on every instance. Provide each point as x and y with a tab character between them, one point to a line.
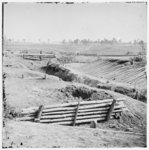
34	135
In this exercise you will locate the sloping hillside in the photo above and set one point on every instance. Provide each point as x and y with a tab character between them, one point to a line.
126	73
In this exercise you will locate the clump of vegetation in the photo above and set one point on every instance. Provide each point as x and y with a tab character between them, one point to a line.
137	58
141	57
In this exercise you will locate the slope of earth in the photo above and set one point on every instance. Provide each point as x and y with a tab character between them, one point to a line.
32	90
125	73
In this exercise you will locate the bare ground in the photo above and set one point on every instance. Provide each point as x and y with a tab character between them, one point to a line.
26	92
34	135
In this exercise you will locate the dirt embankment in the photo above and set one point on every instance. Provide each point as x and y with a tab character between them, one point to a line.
85	93
68	75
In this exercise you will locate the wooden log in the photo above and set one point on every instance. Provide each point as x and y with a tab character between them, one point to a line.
110	110
90	119
72	119
70	114
78	122
39	113
33	109
81	108
71	111
74	123
82	113
80	116
83	103
73	115
95	106
72	108
45	112
79	113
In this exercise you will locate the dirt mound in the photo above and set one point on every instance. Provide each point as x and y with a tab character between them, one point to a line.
84	93
126	90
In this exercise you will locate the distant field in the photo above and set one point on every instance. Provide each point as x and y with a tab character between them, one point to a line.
104	49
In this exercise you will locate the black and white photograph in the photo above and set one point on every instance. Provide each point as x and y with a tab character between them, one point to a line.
74	74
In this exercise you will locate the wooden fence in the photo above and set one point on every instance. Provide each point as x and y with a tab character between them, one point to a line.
75	112
37	56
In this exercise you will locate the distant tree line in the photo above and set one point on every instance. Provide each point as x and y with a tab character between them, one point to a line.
76	41
104	41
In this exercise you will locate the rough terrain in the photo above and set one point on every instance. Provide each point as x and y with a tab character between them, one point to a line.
26	87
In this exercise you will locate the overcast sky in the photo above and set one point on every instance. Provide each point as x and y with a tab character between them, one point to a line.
34	21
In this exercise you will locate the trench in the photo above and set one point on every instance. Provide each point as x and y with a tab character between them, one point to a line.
69	76
84	93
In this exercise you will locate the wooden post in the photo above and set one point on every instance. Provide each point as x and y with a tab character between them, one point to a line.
40	58
39	113
46	70
75	118
110	110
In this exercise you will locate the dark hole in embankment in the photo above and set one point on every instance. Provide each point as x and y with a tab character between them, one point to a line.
63	73
85	93
118	61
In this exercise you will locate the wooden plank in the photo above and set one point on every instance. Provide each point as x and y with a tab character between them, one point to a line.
110	110
74	123
77	122
39	113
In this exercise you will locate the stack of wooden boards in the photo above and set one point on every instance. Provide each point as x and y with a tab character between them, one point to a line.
76	112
